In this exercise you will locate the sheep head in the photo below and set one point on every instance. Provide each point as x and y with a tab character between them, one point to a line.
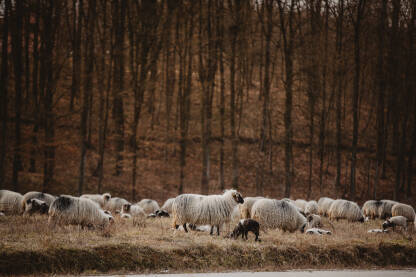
237	197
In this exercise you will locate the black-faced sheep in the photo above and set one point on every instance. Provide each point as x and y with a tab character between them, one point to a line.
395	221
101	199
344	209
115	204
271	213
10	202
324	204
35	206
404	210
47	198
197	209
149	206
244	226
78	211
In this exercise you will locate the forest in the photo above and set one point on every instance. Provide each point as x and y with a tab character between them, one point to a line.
144	98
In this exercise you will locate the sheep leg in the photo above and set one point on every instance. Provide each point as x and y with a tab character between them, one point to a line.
245	234
184	227
218	230
212	230
257	235
176	226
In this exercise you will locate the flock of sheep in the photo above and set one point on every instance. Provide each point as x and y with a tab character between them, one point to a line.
212	211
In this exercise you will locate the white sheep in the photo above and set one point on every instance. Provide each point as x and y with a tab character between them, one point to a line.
167	206
301	204
135	211
324	204
377	231
271	213
245	208
10	202
344	209
311	207
48	198
316	231
68	209
115	204
101	199
197	209
404	210
314	221
395	221
371	209
149	206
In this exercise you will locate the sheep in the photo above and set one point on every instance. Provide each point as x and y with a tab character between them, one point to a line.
244	226
136	212
316	231
35	206
101	199
149	206
167	206
344	209
10	202
245	208
301	204
395	221
314	221
68	209
47	198
162	213
311	207
115	204
200	209
384	210
404	210
324	204
371	209
271	213
377	231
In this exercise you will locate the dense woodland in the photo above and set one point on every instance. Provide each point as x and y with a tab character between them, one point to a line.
294	98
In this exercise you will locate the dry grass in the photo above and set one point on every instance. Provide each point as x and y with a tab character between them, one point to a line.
154	246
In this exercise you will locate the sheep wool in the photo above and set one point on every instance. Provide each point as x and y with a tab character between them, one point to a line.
324	204
271	213
10	202
384	211
371	208
35	206
395	221
301	204
344	209
404	210
134	210
101	199
314	221
245	208
167	206
311	207
47	198
78	211
149	206
115	204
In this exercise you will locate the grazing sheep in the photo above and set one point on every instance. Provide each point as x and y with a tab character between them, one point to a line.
404	210
134	210
395	221
324	204
34	206
371	209
47	198
10	202
244	226
167	206
78	211
311	207
301	204
200	210
384	211
149	206
377	231
344	209
162	213
314	221
101	199
245	208
316	231
272	213
115	204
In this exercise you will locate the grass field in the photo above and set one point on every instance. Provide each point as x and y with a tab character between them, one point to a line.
29	246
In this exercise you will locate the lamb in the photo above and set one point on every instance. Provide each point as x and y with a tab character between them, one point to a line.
47	198
10	202
344	209
135	211
311	207
245	208
35	206
404	210
316	231
115	204
78	211
149	206
377	231
314	221
196	209
384	211
101	199
301	204
167	206
271	213
371	209
324	204
244	226
395	221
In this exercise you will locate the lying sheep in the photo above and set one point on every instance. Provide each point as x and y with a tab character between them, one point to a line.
371	209
115	204
301	204
384	210
47	198
395	221
377	231
245	208
344	209
271	213
244	226
196	209
78	211
324	204
35	206
167	206
316	231
311	207
404	210
10	202
314	221
101	199
149	206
